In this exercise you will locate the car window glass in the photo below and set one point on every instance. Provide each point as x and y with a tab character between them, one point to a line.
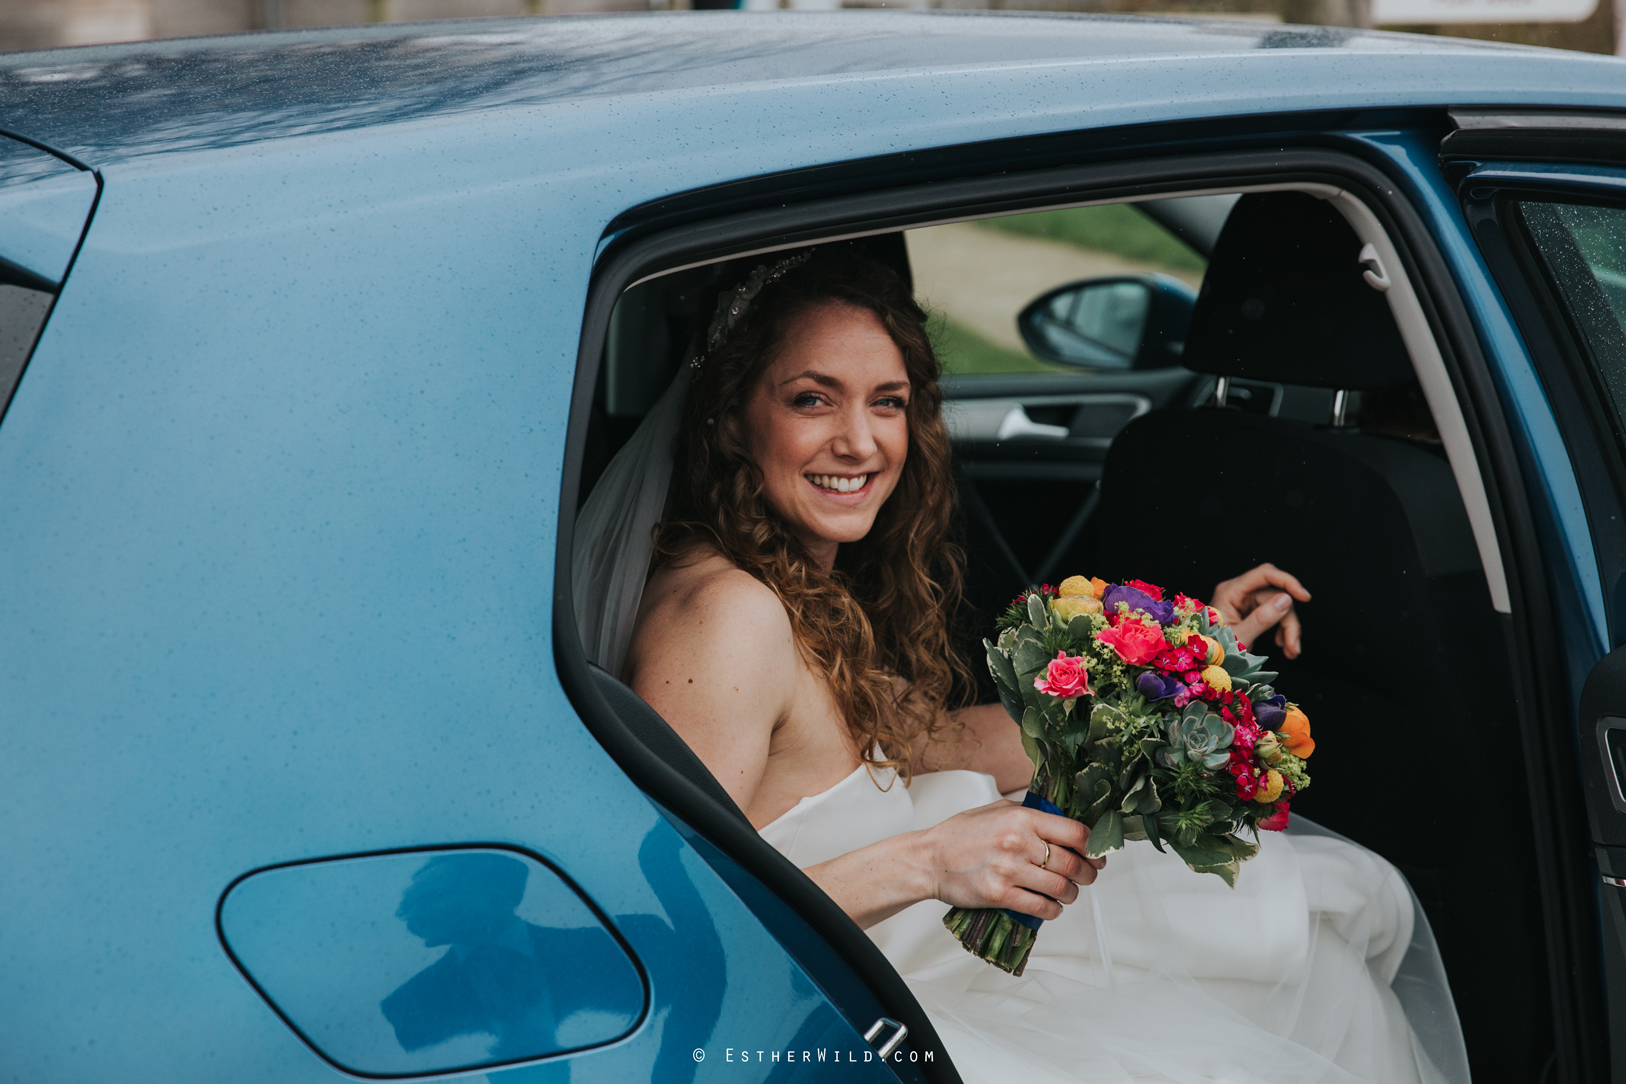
1583	250
43	206
977	277
22	311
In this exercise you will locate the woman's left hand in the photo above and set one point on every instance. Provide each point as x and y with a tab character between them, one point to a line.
1259	599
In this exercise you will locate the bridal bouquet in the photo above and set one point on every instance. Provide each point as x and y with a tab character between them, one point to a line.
1145	719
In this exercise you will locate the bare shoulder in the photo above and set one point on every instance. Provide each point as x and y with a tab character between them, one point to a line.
706	612
713	653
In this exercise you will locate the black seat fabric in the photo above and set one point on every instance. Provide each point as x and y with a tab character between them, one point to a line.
1290	303
1405	673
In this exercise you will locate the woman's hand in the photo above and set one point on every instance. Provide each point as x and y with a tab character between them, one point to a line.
1260	598
984	857
1004	855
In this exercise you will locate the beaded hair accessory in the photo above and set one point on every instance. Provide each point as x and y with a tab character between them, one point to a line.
732	305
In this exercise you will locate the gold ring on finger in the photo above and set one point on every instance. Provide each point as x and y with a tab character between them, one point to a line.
1045	864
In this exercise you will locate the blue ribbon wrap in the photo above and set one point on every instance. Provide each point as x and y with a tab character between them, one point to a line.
1043	805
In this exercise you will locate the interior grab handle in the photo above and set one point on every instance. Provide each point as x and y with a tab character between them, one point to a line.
1374	274
1018	424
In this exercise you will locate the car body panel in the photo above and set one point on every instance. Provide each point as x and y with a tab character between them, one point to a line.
276	588
698	85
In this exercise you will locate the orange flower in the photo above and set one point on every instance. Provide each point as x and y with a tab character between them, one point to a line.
1295	733
1099	585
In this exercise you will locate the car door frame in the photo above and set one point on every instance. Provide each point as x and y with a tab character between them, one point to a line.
874	196
1485	185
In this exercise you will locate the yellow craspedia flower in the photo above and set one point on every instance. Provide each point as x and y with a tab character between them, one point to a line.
1270	788
1071	606
1077	587
1217	679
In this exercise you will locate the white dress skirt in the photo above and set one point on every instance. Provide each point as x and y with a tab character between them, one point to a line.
1318	966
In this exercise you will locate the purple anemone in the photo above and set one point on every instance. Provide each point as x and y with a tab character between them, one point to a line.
1271	712
1161	612
1156	686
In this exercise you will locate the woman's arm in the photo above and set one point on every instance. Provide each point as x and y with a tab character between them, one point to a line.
985	857
714	655
985	740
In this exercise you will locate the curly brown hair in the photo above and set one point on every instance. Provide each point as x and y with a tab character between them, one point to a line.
884	611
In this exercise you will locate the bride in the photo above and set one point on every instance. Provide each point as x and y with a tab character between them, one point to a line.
794	630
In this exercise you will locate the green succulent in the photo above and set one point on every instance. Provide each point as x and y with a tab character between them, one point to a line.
1200	736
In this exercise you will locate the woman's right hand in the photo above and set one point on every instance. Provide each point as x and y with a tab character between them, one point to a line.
990	857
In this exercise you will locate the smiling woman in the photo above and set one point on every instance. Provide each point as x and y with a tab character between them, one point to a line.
793	632
812	472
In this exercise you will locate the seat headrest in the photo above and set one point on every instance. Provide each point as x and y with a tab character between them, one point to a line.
1284	300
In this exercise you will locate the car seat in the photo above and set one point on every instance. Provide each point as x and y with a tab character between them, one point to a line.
1404	674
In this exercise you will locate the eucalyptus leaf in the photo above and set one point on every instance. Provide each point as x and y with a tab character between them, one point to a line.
1030	659
1207	854
1153	830
1031	747
1010	694
1033	724
999	664
1150	801
1099	799
1036	611
1107	835
1102	718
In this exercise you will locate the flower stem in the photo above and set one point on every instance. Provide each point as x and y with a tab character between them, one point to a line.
992	935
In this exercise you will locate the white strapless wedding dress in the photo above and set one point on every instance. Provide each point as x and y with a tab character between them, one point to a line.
1318	966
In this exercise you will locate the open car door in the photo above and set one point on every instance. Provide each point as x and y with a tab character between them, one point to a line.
1545	194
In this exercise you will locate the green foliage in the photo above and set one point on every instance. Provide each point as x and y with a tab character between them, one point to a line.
963	352
1106	836
1116	228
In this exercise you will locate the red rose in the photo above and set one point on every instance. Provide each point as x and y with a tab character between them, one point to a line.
1277	820
1146	589
1136	642
1065	678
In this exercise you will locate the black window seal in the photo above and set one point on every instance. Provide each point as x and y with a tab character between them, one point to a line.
1569	920
1525	134
18	275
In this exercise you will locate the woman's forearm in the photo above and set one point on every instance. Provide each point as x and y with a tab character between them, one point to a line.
876	882
987	741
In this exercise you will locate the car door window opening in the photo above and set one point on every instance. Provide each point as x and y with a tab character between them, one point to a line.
1048	428
624	396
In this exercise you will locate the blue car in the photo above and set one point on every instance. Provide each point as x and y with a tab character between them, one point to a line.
313	344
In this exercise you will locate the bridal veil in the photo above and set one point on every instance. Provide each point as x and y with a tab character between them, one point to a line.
615	532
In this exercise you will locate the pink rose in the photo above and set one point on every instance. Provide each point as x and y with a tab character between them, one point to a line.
1065	678
1136	642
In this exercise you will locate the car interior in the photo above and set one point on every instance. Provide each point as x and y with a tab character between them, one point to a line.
1177	390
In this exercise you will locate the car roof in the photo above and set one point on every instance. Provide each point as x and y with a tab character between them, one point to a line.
109	103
